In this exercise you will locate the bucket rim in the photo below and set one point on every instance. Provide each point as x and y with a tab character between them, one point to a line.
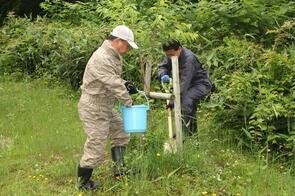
136	106
135	131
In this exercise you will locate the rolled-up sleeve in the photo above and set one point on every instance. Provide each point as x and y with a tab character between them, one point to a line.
163	68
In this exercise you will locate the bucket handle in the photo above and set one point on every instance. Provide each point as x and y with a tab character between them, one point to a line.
143	94
146	98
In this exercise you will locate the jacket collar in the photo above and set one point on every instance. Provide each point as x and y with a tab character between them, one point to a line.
107	45
182	55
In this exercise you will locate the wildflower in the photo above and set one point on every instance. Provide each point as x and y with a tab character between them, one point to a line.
213	194
158	154
204	193
218	177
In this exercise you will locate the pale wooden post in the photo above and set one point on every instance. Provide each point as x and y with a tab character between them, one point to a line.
147	87
147	79
156	95
177	104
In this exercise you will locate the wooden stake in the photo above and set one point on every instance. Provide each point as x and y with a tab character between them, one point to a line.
156	95
177	104
147	78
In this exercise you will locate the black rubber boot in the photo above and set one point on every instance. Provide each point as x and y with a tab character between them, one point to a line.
84	175
190	124
118	158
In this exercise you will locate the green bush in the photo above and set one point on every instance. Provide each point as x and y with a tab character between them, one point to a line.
41	48
255	90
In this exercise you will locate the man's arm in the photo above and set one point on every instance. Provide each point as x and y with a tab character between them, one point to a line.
113	82
163	68
187	72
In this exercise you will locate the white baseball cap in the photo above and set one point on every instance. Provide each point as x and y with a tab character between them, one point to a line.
123	32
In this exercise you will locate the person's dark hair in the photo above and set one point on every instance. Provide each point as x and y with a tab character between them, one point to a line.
111	37
172	44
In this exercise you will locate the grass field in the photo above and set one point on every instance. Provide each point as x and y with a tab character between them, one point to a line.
41	141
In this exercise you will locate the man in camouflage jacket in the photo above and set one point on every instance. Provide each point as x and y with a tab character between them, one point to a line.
102	86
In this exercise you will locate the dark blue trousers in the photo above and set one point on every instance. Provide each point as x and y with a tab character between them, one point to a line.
189	103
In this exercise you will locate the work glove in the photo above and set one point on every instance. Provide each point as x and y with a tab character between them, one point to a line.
131	88
165	79
170	104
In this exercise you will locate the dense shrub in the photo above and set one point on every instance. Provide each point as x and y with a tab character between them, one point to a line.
255	94
42	48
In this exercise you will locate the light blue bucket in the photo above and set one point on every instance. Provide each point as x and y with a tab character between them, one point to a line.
134	118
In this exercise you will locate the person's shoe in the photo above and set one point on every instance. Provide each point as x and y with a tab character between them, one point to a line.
118	159
89	185
84	175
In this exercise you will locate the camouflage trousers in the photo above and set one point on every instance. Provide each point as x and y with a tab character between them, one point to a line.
100	123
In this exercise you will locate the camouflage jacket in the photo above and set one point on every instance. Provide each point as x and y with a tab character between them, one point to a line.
102	76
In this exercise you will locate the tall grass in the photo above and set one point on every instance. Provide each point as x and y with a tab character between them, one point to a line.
41	141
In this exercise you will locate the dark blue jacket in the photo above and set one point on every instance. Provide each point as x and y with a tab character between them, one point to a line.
194	79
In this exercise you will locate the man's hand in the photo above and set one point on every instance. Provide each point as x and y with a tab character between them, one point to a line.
131	88
165	79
